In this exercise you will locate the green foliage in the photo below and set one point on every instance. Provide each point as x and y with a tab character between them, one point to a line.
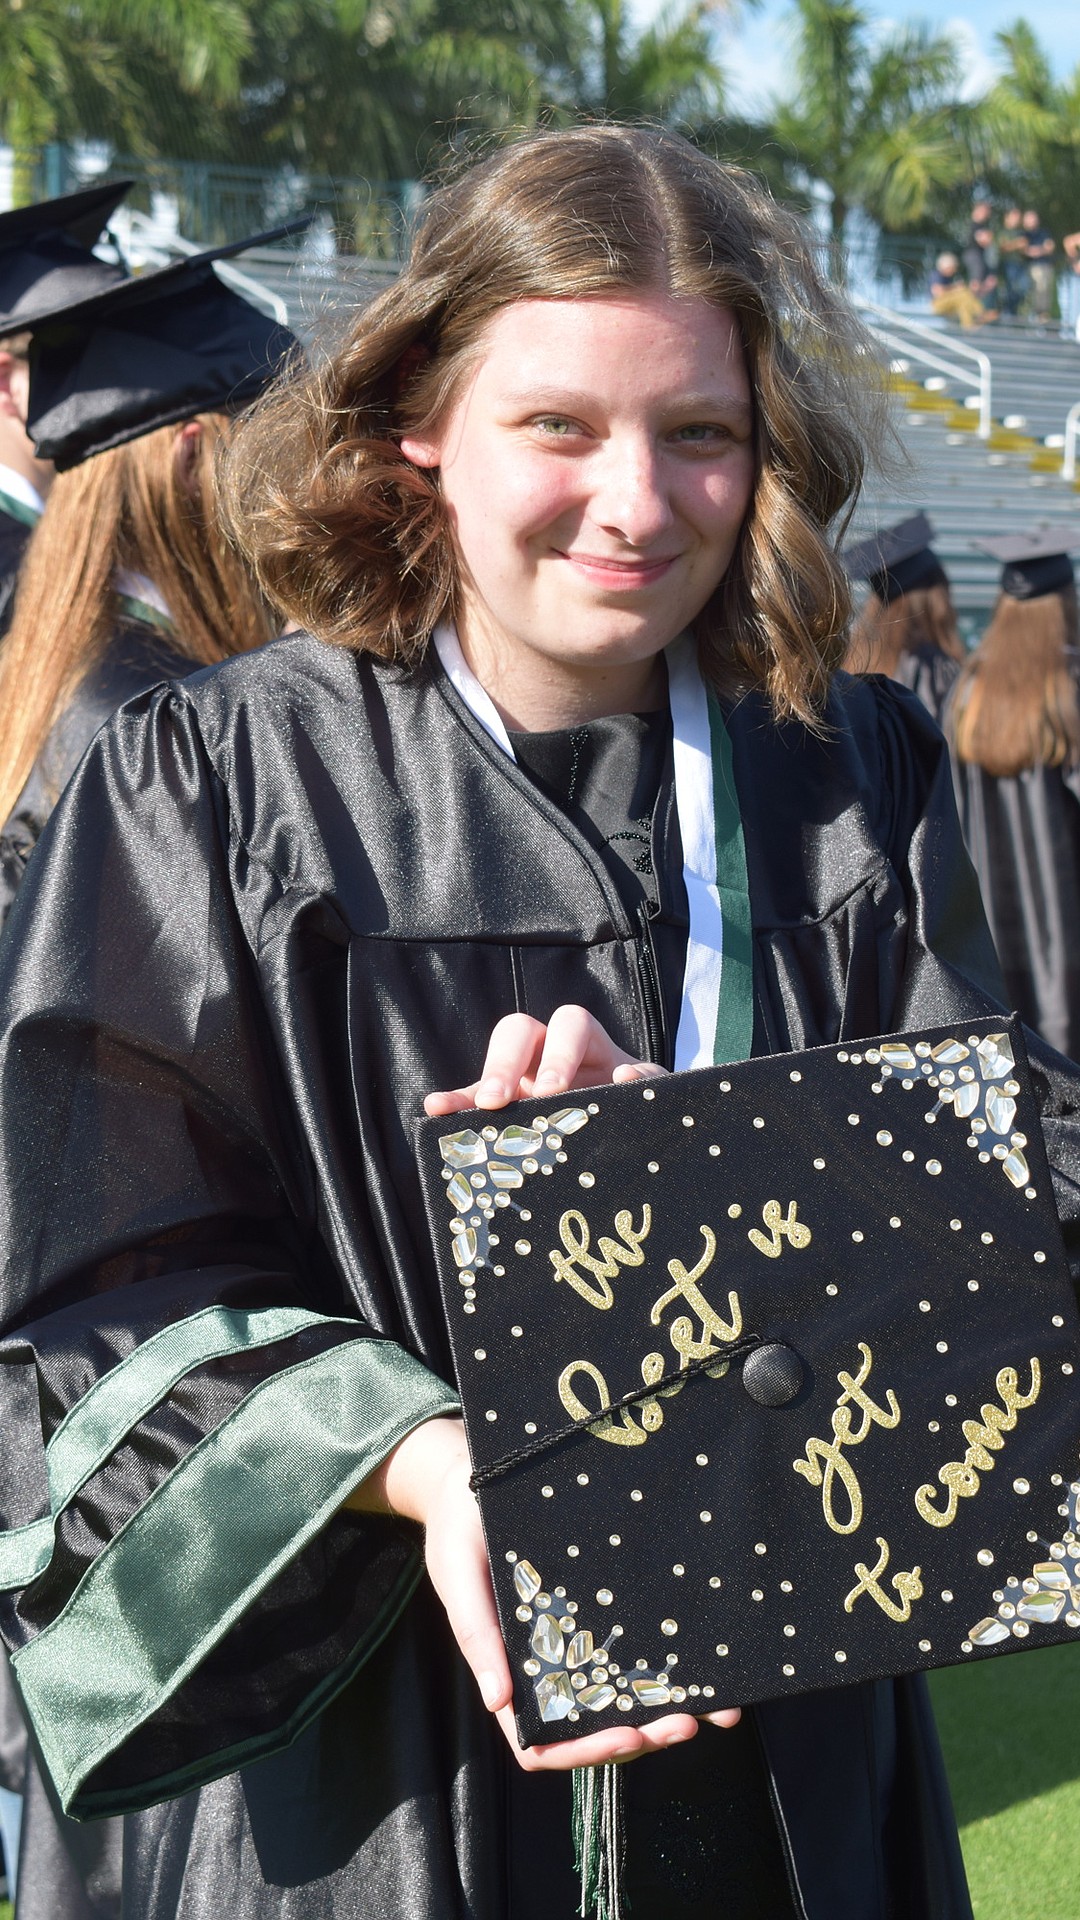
1030	133
874	119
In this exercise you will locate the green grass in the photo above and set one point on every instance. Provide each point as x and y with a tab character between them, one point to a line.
1011	1734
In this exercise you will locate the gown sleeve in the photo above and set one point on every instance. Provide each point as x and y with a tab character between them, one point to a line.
187	1393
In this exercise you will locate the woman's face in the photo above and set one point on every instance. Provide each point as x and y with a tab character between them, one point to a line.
596	468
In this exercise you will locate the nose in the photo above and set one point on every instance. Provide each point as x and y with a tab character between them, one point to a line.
630	497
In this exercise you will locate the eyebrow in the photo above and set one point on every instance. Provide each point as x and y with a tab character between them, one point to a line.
570	400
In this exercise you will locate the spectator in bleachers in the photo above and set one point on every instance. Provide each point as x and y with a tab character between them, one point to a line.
1014	723
981	267
1014	273
1040	260
907	625
1071	244
950	294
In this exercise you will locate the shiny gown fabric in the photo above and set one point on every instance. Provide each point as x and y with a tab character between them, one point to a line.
137	657
69	1870
276	904
14	535
1023	835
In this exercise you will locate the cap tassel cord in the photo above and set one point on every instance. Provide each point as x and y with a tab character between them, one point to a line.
599	1841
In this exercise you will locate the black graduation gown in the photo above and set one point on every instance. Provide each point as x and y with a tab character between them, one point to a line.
14	535
274	907
137	657
931	675
68	1872
1023	835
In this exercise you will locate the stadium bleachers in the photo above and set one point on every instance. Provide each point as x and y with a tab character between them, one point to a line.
973	487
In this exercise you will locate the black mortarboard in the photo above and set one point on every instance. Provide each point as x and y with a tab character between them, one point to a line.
768	1373
157	349
45	257
897	559
1034	562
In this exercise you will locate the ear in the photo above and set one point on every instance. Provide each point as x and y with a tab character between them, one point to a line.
8	403
186	450
420	450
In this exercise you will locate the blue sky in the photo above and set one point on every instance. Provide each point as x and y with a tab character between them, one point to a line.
753	50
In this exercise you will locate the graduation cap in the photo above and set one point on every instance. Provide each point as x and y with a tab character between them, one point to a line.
45	257
154	350
897	559
776	1390
1034	562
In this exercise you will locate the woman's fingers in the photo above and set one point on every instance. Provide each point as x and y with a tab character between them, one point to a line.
514	1047
526	1059
599	1749
458	1566
724	1717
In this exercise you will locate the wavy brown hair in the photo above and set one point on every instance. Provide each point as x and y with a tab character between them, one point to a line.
351	540
1015	704
125	508
884	632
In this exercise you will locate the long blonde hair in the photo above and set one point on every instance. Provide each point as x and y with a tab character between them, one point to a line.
1015	704
353	541
885	631
125	508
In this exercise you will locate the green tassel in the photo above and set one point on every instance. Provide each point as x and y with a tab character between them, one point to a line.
598	1842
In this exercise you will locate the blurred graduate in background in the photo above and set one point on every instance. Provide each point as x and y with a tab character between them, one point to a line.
907	626
128	578
45	262
1014	724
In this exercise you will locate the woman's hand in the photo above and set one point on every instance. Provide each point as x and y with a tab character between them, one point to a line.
426	1478
527	1060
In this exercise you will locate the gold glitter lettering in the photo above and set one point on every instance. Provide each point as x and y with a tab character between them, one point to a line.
624	1252
830	1451
908	1585
961	1477
779	1226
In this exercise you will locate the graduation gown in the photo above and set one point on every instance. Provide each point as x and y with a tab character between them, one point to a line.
14	535
67	1869
1023	834
275	906
931	675
138	656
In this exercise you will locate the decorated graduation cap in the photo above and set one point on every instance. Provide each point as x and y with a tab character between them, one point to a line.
768	1373
1034	562
897	559
45	254
149	352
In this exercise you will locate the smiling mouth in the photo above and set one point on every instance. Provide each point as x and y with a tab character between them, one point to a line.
621	573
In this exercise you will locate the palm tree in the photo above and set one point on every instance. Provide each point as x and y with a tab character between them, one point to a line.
665	71
1030	127
874	121
70	69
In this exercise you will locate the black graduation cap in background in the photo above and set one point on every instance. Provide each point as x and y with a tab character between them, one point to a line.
157	349
897	559
1034	562
45	257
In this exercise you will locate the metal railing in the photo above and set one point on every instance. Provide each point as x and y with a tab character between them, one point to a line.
1072	435
933	349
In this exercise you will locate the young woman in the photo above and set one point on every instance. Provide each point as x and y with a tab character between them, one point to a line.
1014	721
128	576
556	517
907	624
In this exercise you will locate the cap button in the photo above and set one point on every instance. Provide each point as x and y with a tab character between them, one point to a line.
772	1374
